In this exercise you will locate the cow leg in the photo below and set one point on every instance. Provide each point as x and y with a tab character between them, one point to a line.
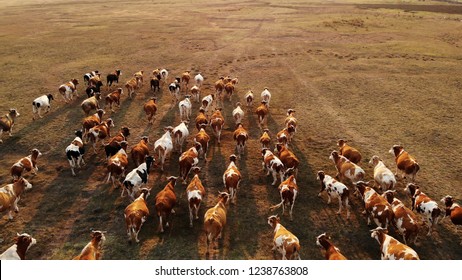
71	163
291	209
275	178
161	226
339	206
190	217
10	215
328	198
136	236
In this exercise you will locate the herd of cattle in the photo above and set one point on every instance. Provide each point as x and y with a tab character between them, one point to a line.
281	163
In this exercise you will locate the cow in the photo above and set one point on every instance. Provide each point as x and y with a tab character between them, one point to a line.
94	85
155	84
201	119
185	77
405	163
349	152
404	220
137	178
165	201
265	139
189	159
249	100
132	85
11	194
114	97
383	177
113	77
240	136
238	113
196	193
285	136
42	102
117	164
7	122
346	169
174	89
28	164
376	206
113	146
285	242
94	249
232	178
207	101
219	86
92	121
229	89
334	189
215	219
266	96
195	93
199	79
203	138
75	151
135	214
185	108
272	164
262	113
291	120
180	134
22	243
453	210
332	252
140	151
90	104
217	122
67	90
100	132
150	108
288	190
164	74
88	76
392	249
139	78
287	157
163	146
424	205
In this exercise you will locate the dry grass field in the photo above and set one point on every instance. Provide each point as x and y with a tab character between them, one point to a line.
375	74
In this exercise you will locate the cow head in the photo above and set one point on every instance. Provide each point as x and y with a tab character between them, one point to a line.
75	82
379	234
448	201
13	113
334	156
223	197
110	122
100	113
23	183
320	177
290	111
274	220
125	131
79	133
360	187
149	161
98	237
389	195
341	142
374	160
396	150
50	97
35	153
118	72
323	240
233	158
145	192
411	189
23	242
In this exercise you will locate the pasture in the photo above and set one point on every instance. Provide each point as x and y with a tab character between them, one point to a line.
375	75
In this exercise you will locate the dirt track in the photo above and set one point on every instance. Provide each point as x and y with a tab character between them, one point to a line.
375	77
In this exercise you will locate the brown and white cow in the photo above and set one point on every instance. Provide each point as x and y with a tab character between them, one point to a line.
375	205
201	118
113	146
217	121
332	252
188	160
288	158
349	152
135	214
262	113
114	97
22	243
28	164
232	178
207	101
196	193
185	78
219	86
195	93
91	103
405	163
100	132
285	136
139	77
229	89
272	164
285	242
117	164
240	136
163	146
288	190
140	151
346	169
453	210
94	249
11	194
150	108
91	121
383	177
392	249
334	189
424	205
404	219
249	99
265	139
215	219
291	120
68	89
203	138
132	85
238	113
165	201
7	122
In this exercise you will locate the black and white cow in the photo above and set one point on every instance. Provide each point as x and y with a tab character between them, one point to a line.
39	103
75	151
88	76
136	178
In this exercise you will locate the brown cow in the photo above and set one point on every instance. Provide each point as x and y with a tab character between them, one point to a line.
7	123
11	194
203	138
215	219
262	112
100	132
453	210
135	215
287	157
332	252
94	249
346	170
217	121
117	164
240	136
22	243
195	192
284	241
92	121
392	249
405	163
375	205
150	108
349	152
114	97
288	191
232	178
140	151
165	201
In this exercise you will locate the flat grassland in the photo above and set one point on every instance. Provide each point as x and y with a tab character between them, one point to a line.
374	74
